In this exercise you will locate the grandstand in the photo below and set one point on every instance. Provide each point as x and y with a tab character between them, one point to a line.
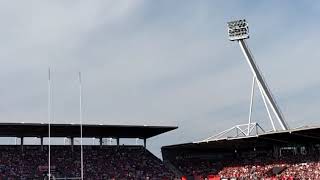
100	161
289	154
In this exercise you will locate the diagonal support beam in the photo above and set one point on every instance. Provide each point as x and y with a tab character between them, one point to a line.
266	106
265	90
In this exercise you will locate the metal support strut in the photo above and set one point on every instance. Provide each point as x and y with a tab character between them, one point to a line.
262	84
251	104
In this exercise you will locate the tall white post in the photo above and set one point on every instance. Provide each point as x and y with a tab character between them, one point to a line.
251	103
80	117
49	123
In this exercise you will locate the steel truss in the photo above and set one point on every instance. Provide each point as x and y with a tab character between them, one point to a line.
242	130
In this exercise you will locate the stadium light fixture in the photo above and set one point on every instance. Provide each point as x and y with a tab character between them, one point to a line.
238	30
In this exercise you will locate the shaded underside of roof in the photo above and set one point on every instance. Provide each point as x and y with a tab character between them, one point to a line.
296	136
73	130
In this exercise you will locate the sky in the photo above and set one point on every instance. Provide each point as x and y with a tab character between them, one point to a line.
158	63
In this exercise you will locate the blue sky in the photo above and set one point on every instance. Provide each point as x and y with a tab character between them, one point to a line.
157	63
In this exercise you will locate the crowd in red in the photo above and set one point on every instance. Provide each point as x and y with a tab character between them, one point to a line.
287	167
307	170
135	162
105	162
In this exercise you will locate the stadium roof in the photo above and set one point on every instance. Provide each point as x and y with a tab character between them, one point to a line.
73	130
303	135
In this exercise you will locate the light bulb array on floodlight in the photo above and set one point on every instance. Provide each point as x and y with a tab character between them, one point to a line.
238	30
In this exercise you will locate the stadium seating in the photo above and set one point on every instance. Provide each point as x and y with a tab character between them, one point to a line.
135	162
287	167
100	162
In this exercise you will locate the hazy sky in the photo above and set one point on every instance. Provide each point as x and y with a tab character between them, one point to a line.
158	63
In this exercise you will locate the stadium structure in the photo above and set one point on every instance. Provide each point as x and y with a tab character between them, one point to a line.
248	151
100	161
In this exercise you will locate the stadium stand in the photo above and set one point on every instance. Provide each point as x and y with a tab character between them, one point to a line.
25	162
289	167
291	154
100	162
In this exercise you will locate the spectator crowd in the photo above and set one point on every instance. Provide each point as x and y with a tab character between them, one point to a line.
100	162
286	167
135	162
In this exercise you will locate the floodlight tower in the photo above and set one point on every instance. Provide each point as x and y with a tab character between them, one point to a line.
239	31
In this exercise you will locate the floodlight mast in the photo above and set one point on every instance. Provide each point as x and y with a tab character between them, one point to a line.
239	31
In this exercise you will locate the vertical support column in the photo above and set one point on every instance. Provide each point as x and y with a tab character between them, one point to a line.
145	143
310	149
41	142
72	143
295	150
100	141
276	152
118	141
21	143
